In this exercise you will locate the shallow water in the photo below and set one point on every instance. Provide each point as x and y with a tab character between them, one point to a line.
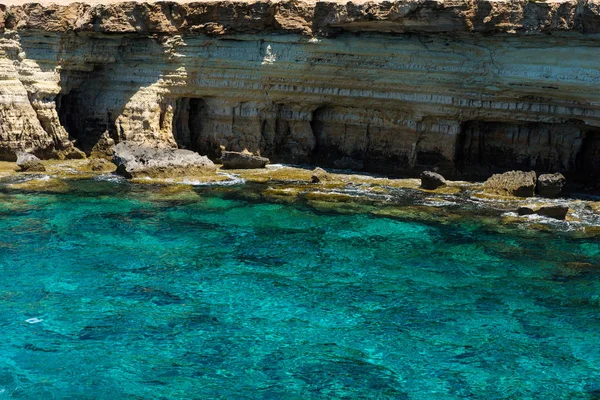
110	291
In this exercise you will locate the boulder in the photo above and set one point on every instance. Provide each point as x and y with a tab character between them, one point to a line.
556	211
29	163
550	185
512	183
100	165
319	175
134	160
432	180
242	160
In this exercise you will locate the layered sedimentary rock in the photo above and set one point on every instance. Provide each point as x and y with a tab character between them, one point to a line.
466	87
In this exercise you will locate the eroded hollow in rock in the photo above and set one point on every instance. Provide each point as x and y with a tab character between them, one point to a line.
188	124
485	147
341	141
68	114
588	159
317	125
84	128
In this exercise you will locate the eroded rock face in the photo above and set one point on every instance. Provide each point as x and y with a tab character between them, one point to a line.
467	87
136	160
241	160
432	180
512	183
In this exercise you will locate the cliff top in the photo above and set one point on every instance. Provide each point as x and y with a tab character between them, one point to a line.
106	2
308	17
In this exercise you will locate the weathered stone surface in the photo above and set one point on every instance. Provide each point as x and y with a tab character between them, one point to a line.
135	160
319	175
242	160
36	166
68	152
550	185
23	157
432	180
550	211
512	183
322	18
29	163
470	87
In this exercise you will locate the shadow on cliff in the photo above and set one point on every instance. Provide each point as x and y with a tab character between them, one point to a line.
487	147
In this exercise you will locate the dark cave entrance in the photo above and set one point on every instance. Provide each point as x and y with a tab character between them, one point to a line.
323	151
588	158
317	125
69	116
84	127
188	124
486	147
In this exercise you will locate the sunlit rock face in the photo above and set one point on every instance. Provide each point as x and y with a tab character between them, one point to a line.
467	88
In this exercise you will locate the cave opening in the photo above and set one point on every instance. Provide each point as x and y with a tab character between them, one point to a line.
486	147
188	124
84	127
588	158
317	125
68	113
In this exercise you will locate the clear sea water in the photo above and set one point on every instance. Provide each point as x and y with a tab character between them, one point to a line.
109	291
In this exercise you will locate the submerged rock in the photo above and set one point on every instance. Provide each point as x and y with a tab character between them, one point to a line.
135	160
242	160
558	211
29	163
512	183
319	175
550	185
432	180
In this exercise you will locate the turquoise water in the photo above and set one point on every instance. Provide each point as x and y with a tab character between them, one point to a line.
215	295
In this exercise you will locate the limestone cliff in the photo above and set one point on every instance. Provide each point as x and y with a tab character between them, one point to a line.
470	87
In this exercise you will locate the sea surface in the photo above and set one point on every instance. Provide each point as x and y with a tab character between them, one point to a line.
111	290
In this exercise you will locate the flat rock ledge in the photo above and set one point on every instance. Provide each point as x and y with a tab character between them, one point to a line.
136	160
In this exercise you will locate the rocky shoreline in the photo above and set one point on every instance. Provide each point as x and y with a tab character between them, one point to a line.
337	191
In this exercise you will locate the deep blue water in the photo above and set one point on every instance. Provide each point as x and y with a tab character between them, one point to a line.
217	296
